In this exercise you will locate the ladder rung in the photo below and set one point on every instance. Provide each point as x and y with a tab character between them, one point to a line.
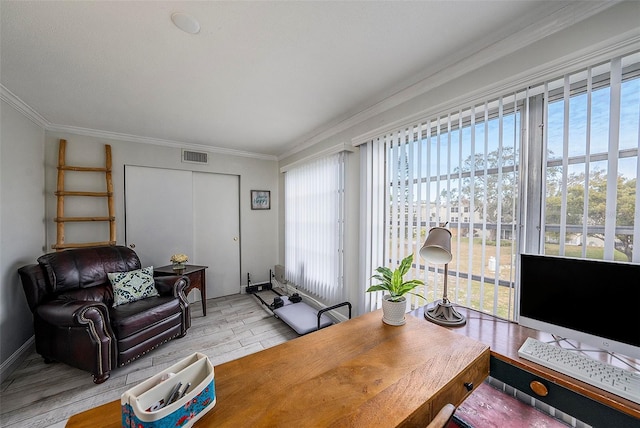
84	168
60	192
79	193
83	245
68	219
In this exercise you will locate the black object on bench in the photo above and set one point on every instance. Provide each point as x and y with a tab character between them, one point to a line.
292	310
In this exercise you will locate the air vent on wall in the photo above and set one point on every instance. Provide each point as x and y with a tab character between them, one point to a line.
194	157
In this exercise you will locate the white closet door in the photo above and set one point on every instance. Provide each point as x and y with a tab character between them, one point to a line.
159	213
173	211
216	208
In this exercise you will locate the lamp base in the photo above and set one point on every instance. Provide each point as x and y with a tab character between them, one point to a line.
443	313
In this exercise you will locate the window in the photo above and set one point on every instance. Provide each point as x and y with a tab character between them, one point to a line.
591	162
314	222
465	158
559	158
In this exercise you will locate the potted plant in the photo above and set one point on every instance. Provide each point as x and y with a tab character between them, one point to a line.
392	282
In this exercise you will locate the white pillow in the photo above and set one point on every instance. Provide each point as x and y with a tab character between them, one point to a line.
133	285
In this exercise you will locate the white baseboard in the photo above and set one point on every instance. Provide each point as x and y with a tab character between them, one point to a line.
8	366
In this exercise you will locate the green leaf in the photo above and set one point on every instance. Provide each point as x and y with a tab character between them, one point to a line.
379	278
405	265
376	288
393	281
396	281
386	272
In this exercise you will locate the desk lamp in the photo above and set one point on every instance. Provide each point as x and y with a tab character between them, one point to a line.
437	250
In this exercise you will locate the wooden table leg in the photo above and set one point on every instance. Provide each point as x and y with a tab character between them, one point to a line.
203	294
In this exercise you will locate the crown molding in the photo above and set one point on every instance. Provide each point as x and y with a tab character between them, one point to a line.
622	45
566	17
338	148
22	107
155	141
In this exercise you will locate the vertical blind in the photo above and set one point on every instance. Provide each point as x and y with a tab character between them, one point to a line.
372	238
568	145
460	168
314	226
591	167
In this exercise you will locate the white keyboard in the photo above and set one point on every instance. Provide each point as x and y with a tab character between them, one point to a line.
624	383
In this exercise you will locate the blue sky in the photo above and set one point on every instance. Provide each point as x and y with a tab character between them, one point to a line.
442	159
599	141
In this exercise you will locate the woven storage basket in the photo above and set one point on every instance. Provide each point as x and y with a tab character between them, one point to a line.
144	405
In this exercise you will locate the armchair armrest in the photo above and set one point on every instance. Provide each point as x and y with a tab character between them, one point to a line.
175	285
172	285
74	313
78	333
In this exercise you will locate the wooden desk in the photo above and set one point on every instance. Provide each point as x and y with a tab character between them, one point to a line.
358	373
591	405
197	279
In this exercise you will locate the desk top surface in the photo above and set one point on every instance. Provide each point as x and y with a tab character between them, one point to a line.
360	372
505	338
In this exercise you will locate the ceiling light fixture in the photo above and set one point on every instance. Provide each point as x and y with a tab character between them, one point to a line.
185	22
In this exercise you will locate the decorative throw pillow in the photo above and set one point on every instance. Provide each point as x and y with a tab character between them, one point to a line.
133	285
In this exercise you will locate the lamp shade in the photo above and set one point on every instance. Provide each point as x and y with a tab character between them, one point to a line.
437	247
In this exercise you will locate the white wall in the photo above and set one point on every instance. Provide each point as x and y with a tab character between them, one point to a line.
22	229
537	61
258	228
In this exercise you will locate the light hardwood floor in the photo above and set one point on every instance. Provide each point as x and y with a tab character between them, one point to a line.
46	395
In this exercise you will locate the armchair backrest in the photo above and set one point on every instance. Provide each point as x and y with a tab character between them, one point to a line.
74	269
86	267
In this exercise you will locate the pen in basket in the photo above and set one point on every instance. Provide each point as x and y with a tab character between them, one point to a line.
186	388
174	394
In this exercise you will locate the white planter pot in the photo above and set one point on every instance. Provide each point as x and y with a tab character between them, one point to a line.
393	312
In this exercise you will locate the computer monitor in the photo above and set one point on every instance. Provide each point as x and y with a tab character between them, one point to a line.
592	301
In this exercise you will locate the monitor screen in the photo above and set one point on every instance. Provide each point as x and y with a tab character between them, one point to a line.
595	302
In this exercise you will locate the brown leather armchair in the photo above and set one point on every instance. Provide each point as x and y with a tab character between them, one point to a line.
71	298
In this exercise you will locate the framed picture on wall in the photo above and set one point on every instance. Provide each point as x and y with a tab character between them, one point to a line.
260	200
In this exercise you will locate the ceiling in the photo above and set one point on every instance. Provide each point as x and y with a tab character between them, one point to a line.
261	77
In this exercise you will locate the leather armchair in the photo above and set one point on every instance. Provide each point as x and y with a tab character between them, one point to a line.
71	299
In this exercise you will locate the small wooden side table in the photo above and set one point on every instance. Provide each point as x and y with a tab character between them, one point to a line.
197	279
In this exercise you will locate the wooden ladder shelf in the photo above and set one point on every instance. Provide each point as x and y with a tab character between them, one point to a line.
60	193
